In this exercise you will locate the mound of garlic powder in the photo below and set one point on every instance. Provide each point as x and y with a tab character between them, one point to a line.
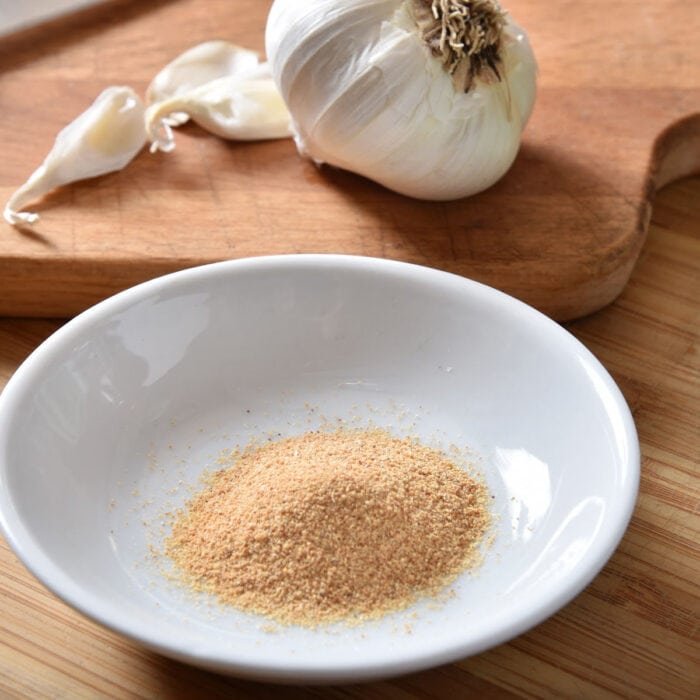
326	527
426	97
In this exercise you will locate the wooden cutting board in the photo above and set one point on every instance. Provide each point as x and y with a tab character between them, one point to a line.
617	115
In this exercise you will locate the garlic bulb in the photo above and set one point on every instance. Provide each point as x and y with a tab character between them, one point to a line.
223	88
101	140
427	97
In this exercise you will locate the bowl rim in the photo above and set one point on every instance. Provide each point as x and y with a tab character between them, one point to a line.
45	570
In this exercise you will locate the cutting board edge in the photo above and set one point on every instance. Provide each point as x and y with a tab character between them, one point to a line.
65	287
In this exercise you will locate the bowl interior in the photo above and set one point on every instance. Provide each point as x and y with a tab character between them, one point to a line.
110	423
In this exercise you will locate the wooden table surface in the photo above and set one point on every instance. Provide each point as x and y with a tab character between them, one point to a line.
632	633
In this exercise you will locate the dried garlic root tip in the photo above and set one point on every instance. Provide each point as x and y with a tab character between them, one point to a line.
199	65
244	106
103	139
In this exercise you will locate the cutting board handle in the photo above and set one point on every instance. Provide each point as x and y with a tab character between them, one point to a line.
676	153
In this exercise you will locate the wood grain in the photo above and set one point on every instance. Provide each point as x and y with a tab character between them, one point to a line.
633	633
617	116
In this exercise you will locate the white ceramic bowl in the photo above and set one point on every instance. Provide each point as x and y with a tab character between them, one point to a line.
109	421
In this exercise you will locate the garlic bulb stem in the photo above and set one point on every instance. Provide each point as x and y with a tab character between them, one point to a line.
464	35
103	139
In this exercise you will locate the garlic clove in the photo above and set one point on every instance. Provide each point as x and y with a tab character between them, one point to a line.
103	139
197	66
243	106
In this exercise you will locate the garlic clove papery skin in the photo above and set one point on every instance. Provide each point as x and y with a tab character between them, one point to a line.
197	66
366	95
103	139
242	106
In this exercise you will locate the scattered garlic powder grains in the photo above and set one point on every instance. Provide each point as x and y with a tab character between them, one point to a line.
284	514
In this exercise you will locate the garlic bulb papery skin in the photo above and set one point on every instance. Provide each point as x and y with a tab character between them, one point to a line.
199	65
245	106
103	139
368	94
